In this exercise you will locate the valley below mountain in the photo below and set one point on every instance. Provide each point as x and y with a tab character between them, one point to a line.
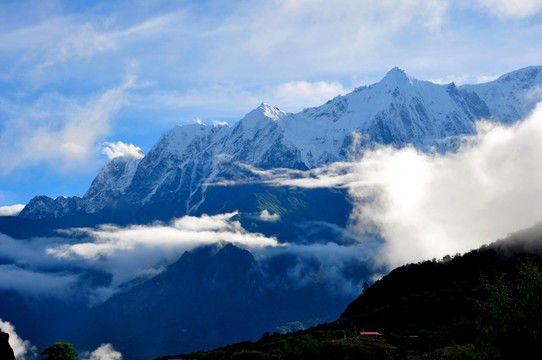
482	304
221	233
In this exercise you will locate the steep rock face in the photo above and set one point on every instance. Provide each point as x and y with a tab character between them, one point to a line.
176	165
258	139
110	183
188	157
42	207
399	110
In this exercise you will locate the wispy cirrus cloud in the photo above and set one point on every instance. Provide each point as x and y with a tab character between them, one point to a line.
296	95
293	96
58	131
199	62
68	37
511	9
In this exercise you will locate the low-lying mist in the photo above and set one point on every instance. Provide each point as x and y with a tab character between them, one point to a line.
408	206
427	205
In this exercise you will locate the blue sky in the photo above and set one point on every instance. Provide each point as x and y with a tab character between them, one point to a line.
77	76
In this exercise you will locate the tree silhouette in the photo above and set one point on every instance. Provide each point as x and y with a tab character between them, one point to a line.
60	351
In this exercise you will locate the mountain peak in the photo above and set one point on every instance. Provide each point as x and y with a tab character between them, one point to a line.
398	110
264	105
396	71
397	76
263	111
269	111
525	75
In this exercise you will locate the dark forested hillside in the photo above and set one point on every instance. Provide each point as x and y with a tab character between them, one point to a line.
211	296
486	304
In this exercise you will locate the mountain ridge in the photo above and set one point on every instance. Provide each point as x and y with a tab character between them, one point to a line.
398	110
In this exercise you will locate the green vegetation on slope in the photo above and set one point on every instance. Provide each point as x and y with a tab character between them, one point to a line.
313	345
278	201
486	304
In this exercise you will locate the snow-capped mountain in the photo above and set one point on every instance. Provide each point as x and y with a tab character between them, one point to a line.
398	110
110	183
512	96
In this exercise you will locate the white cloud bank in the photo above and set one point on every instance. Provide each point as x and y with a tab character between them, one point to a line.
267	216
22	349
104	352
430	205
55	267
143	250
11	210
186	232
44	267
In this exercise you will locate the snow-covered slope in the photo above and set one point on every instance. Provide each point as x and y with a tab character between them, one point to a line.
398	110
110	183
177	165
188	157
512	96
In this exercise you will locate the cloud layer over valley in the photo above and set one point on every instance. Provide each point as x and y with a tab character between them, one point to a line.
419	205
429	205
94	263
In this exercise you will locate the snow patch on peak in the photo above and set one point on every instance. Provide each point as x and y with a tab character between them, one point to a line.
396	72
263	116
268	111
177	139
110	182
397	76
